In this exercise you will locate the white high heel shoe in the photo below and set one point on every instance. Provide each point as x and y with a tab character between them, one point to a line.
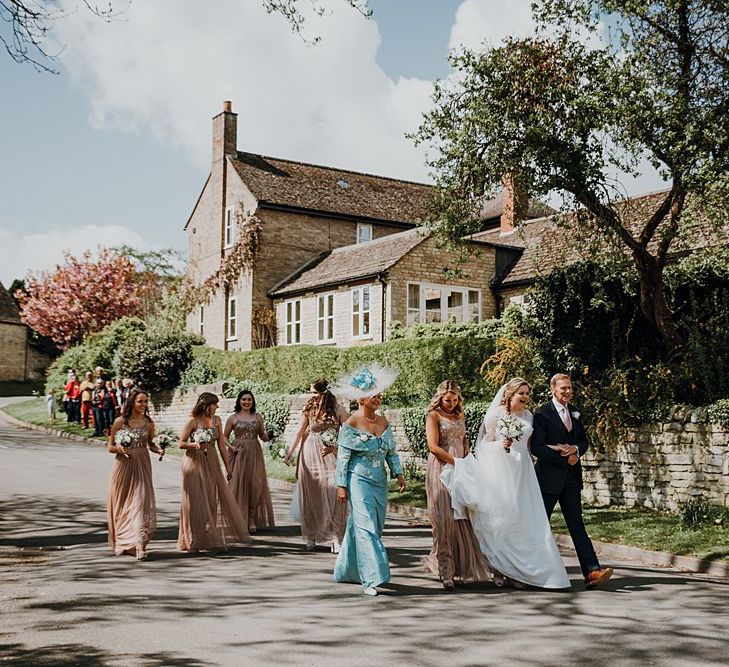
370	590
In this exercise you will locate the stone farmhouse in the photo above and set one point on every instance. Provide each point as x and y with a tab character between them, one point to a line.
19	360
340	255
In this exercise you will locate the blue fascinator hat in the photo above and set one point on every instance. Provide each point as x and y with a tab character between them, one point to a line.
364	382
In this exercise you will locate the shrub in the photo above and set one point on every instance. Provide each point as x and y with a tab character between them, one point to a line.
718	412
485	329
697	512
200	371
157	359
96	350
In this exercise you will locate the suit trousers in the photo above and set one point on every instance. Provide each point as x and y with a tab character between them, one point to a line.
570	502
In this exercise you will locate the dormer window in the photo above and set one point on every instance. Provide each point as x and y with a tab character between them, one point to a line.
364	232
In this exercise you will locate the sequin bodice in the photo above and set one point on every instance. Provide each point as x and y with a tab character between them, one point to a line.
451	435
245	429
320	427
141	436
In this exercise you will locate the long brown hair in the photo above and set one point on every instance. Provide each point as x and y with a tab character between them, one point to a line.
204	401
128	407
511	387
323	406
446	387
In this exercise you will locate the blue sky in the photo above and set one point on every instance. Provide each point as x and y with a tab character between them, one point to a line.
116	147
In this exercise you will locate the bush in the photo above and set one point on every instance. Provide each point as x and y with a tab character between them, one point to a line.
96	350
485	329
200	371
423	364
157	359
718	412
697	512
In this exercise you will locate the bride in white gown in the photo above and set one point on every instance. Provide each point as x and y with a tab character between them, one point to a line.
499	492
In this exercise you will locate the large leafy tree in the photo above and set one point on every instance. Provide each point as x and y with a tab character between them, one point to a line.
80	297
556	112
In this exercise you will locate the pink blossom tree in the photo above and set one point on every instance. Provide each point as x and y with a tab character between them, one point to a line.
81	296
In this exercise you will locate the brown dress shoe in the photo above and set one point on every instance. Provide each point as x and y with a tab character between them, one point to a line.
598	577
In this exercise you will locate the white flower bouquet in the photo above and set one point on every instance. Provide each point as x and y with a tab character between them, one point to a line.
124	438
329	437
163	441
509	427
202	436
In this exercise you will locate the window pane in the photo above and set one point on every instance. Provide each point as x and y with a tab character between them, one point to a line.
321	306
413	317
232	307
330	304
297	329
432	305
355	325
366	298
414	296
330	328
298	311
473	309
321	330
355	301
455	306
365	323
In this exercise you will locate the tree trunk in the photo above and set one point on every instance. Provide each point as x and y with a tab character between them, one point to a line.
653	302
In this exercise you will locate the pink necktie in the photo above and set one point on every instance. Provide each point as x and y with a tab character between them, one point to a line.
567	419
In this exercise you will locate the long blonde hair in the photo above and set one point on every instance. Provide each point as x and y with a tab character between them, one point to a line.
446	387
510	388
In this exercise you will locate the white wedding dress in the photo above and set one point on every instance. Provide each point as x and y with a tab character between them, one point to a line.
499	492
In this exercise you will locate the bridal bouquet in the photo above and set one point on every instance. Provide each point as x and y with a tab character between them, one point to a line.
509	427
163	441
202	437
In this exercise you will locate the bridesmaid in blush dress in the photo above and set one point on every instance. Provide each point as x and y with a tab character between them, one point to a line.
455	554
131	509
323	519
210	518
247	468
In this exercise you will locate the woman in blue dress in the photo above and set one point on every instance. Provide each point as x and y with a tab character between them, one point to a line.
365	444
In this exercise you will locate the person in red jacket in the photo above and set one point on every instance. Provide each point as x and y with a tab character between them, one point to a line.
73	396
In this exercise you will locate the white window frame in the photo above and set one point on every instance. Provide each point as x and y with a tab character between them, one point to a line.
358	334
328	316
292	322
444	289
362	226
231	321
229	228
201	319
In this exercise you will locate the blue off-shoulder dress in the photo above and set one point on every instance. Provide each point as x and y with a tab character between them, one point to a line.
361	459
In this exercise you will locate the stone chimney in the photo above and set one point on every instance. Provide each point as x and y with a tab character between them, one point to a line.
515	203
225	132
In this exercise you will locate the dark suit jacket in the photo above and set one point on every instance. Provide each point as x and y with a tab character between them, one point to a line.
551	467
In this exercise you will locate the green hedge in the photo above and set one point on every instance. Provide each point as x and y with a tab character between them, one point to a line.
423	363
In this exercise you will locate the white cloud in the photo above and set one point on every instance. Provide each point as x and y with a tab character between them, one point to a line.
21	253
490	21
169	65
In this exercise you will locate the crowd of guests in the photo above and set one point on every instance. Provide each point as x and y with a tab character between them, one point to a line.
93	402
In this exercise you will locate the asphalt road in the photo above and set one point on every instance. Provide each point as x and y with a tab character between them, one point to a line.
68	601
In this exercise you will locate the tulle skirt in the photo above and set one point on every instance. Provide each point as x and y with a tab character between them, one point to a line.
131	509
455	553
249	484
209	514
323	519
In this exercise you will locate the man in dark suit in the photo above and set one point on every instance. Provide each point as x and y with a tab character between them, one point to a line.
558	442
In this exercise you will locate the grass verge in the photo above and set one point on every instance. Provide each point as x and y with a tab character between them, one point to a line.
34	411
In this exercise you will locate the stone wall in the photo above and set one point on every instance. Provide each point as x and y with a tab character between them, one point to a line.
661	465
13	347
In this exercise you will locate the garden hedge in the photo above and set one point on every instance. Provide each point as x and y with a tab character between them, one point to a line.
423	363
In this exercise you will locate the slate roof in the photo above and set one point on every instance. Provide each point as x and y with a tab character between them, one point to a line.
8	308
299	185
351	263
547	244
